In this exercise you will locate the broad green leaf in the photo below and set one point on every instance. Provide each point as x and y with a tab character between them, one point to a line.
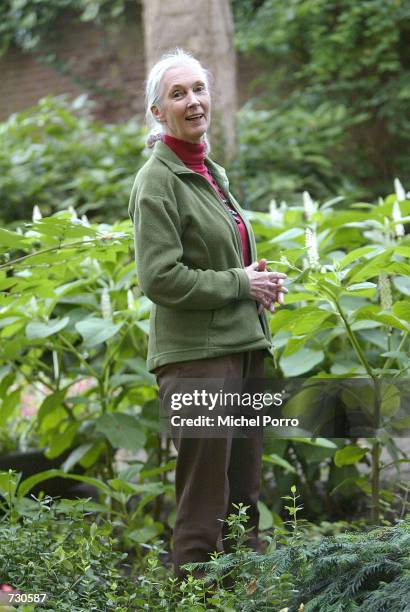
131	488
8	406
60	442
402	284
374	313
143	534
358	286
12	240
301	362
53	419
306	322
402	250
322	442
50	403
143	326
32	481
91	455
349	455
75	456
280	320
390	399
293	345
265	517
279	461
289	234
356	254
301	402
121	430
94	331
38	329
159	470
362	272
402	310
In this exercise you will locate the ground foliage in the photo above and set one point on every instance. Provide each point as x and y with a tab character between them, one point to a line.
69	550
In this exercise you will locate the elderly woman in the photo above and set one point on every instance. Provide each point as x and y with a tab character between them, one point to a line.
196	261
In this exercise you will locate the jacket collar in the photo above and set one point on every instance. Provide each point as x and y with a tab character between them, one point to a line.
169	158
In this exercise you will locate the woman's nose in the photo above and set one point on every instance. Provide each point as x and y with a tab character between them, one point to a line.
192	99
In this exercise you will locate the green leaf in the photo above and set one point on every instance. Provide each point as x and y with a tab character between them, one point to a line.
279	461
322	442
289	234
402	284
306	322
76	455
94	331
402	310
374	313
121	430
301	362
265	517
32	481
59	443
9	405
349	455
356	254
404	251
38	329
9	483
358	286
11	240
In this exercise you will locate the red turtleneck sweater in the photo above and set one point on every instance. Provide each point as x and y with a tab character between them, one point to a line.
193	156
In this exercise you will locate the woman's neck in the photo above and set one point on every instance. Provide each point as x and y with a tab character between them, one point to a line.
192	154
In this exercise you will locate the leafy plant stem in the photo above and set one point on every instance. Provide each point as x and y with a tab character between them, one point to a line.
355	343
391	359
68	245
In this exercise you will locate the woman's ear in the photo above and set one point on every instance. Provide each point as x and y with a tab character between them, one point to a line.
158	114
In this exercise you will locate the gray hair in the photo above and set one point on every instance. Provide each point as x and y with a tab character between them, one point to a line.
173	59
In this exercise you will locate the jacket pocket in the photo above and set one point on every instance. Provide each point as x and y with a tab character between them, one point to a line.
236	325
178	330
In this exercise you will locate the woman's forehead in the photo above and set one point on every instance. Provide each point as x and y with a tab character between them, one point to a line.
182	75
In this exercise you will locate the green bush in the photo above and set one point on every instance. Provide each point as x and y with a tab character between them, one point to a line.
57	549
55	155
324	62
61	548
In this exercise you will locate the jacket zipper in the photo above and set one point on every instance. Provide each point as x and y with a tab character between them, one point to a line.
262	317
238	236
229	216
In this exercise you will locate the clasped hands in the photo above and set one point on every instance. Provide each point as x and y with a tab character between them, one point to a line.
266	287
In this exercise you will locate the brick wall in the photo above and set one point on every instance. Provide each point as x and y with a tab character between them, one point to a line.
108	63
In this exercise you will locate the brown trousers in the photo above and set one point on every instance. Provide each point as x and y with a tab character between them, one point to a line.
213	473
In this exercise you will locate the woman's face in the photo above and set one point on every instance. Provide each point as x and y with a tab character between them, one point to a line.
185	104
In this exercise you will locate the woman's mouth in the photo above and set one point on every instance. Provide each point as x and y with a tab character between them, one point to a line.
196	117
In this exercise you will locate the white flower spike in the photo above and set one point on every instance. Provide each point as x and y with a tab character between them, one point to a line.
399	189
37	216
309	205
396	215
311	247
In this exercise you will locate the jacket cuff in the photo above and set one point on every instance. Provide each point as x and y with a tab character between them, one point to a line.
244	284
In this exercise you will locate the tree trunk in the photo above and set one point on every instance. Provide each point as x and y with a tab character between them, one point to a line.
206	30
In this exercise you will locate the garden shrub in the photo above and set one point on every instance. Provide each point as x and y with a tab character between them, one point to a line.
333	80
55	155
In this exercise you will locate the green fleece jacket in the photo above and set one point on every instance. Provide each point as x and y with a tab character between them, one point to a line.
190	264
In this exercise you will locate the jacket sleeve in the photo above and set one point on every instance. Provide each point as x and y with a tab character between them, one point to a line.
162	276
